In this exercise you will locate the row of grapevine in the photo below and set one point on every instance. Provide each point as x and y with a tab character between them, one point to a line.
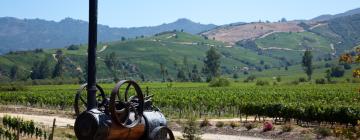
6	134
21	127
327	103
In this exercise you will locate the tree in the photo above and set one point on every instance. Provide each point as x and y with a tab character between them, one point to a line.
58	69
328	75
35	70
181	75
40	69
163	71
195	75
44	69
235	76
123	38
307	63
186	65
14	72
212	63
111	63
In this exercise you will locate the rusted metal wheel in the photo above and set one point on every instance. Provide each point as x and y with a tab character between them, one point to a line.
81	101
126	112
161	133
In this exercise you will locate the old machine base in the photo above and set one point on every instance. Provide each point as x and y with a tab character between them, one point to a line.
120	116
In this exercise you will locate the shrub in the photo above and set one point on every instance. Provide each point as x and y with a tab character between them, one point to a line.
191	131
347	66
250	78
337	71
12	87
219	82
73	47
268	126
323	131
262	83
250	126
235	76
302	79
320	81
355	81
278	79
219	124
275	83
287	128
295	82
234	124
205	123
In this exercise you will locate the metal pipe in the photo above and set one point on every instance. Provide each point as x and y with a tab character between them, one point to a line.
92	42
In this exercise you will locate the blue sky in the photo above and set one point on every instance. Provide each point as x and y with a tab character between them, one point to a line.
134	13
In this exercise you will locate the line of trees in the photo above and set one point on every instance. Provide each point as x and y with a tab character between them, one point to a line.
45	69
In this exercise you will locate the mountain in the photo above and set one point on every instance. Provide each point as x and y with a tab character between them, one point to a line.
328	16
24	34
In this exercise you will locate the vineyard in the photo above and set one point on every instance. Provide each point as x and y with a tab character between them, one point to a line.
333	103
15	127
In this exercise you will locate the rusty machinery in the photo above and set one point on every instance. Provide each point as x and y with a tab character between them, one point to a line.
120	117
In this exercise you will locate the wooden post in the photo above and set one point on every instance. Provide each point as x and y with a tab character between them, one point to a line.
51	137
18	131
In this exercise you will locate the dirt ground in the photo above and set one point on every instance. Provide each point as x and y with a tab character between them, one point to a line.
65	121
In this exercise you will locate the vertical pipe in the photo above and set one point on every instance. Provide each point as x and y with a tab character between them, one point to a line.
91	87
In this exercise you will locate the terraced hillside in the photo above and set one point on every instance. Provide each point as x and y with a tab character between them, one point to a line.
233	34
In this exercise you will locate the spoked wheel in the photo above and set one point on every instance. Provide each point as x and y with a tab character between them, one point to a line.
162	133
126	112
81	100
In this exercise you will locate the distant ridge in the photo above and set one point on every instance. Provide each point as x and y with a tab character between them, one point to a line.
24	34
328	16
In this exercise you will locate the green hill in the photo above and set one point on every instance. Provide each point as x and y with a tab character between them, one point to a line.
293	44
143	56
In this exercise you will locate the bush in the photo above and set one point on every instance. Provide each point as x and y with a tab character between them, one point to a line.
205	123
219	82
323	131
250	126
262	83
275	83
191	131
302	79
337	71
250	78
287	128
347	66
268	126
12	87
234	124
278	79
355	80
219	124
235	76
320	81
296	82
73	47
